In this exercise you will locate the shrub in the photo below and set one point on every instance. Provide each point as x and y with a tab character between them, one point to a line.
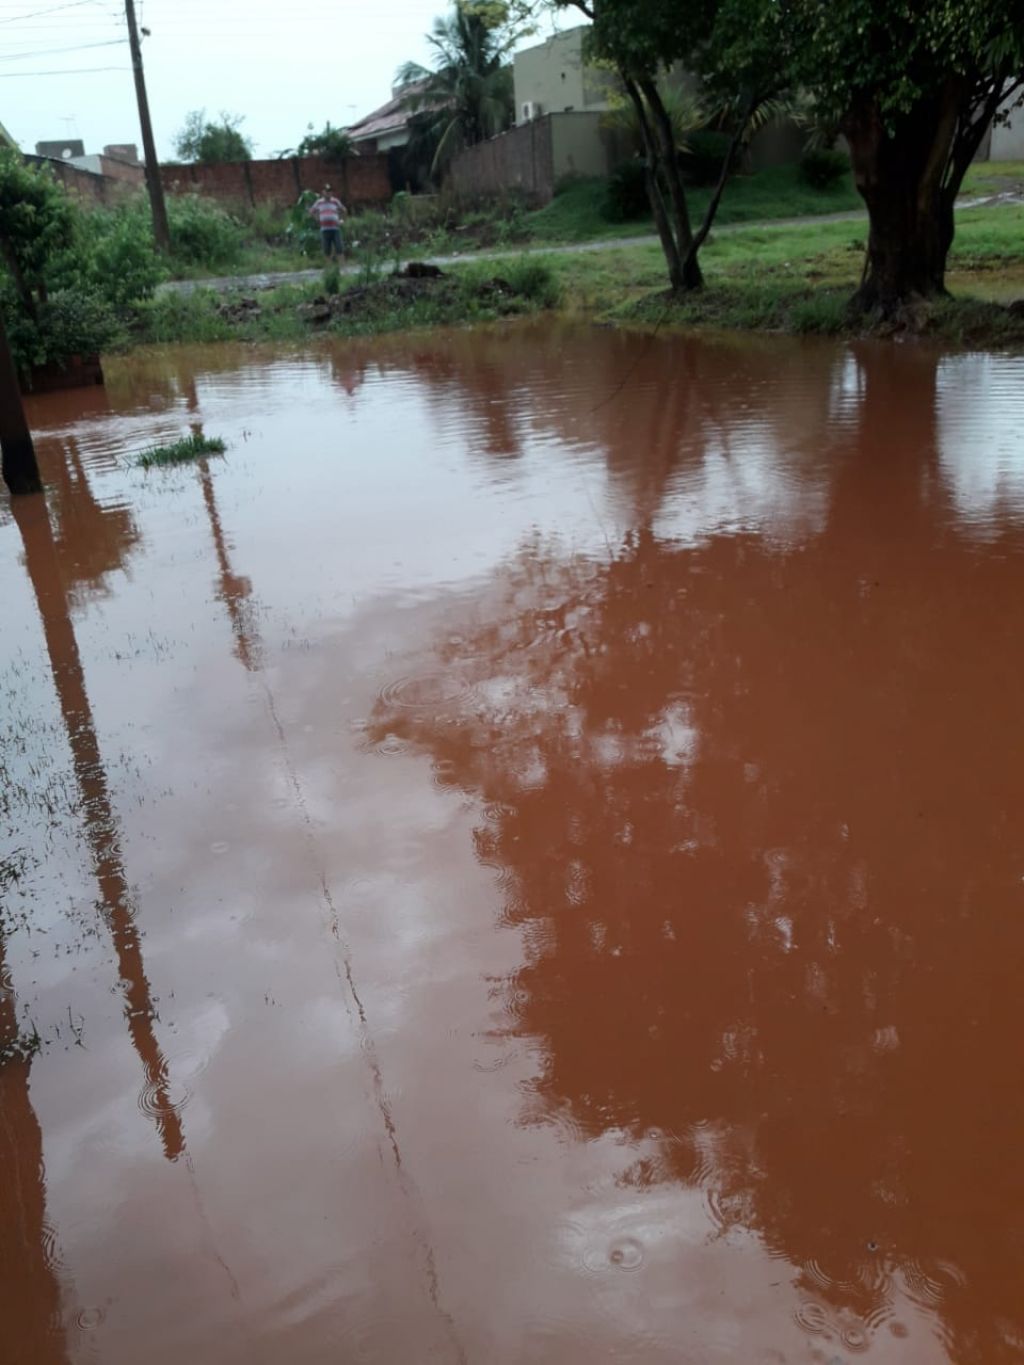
822	169
116	257
626	193
301	232
533	280
202	233
705	156
71	322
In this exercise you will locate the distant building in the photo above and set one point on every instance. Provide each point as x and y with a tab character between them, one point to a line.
555	78
113	167
61	151
387	126
123	151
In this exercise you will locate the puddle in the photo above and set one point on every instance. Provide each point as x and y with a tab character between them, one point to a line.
518	860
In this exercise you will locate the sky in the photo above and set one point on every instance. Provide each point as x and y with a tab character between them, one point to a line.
283	64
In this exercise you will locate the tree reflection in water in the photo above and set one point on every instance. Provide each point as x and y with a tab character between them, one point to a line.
748	798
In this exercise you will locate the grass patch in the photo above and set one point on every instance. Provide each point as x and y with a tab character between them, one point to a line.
477	291
799	279
792	277
577	213
180	452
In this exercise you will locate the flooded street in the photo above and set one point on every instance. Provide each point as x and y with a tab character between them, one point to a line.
520	861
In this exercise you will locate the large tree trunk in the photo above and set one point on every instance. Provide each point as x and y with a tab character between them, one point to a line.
692	275
17	453
669	245
902	173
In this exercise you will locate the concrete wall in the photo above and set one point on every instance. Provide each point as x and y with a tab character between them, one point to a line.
113	167
1007	140
581	146
520	160
550	74
86	186
357	180
534	157
778	144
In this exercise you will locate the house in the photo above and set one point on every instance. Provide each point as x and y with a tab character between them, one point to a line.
61	151
116	162
387	126
555	78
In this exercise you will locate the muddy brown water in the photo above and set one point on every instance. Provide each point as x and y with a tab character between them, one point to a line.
519	861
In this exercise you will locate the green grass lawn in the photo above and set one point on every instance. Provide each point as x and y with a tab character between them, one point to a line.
793	277
576	214
799	278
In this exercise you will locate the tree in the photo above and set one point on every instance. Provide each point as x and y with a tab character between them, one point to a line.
17	453
334	143
207	142
36	222
643	39
914	89
468	95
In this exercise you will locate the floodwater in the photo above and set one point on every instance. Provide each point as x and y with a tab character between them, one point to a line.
519	861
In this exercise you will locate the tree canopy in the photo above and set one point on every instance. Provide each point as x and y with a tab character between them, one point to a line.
206	142
913	87
329	141
467	96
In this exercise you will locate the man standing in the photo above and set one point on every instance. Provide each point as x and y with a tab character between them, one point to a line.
328	212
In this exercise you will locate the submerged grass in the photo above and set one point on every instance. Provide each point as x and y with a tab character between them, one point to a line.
192	447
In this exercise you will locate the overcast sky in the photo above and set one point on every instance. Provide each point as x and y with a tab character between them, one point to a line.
281	63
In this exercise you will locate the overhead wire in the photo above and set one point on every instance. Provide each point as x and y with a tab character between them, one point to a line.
53	51
54	9
75	71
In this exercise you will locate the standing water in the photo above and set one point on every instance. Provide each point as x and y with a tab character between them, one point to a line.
519	861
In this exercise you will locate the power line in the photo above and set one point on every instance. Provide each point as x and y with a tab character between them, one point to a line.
74	4
52	51
74	71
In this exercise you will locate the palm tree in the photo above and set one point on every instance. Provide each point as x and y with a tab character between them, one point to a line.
468	96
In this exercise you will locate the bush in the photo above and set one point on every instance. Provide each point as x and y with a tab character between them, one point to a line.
533	280
71	322
705	156
626	193
822	169
116	257
301	231
202	233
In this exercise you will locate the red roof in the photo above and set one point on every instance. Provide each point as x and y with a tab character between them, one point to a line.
389	118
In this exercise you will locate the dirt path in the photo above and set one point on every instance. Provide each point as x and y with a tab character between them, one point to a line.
271	279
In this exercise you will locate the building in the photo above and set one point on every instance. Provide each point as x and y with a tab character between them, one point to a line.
387	126
114	167
64	150
555	78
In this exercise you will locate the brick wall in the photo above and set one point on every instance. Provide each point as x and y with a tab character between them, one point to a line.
115	168
357	180
84	185
521	159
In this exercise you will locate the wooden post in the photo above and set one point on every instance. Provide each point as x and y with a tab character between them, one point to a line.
20	470
154	184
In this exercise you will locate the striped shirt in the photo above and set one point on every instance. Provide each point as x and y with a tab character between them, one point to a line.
327	212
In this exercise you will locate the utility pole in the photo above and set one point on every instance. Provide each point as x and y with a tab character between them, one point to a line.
20	471
154	184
